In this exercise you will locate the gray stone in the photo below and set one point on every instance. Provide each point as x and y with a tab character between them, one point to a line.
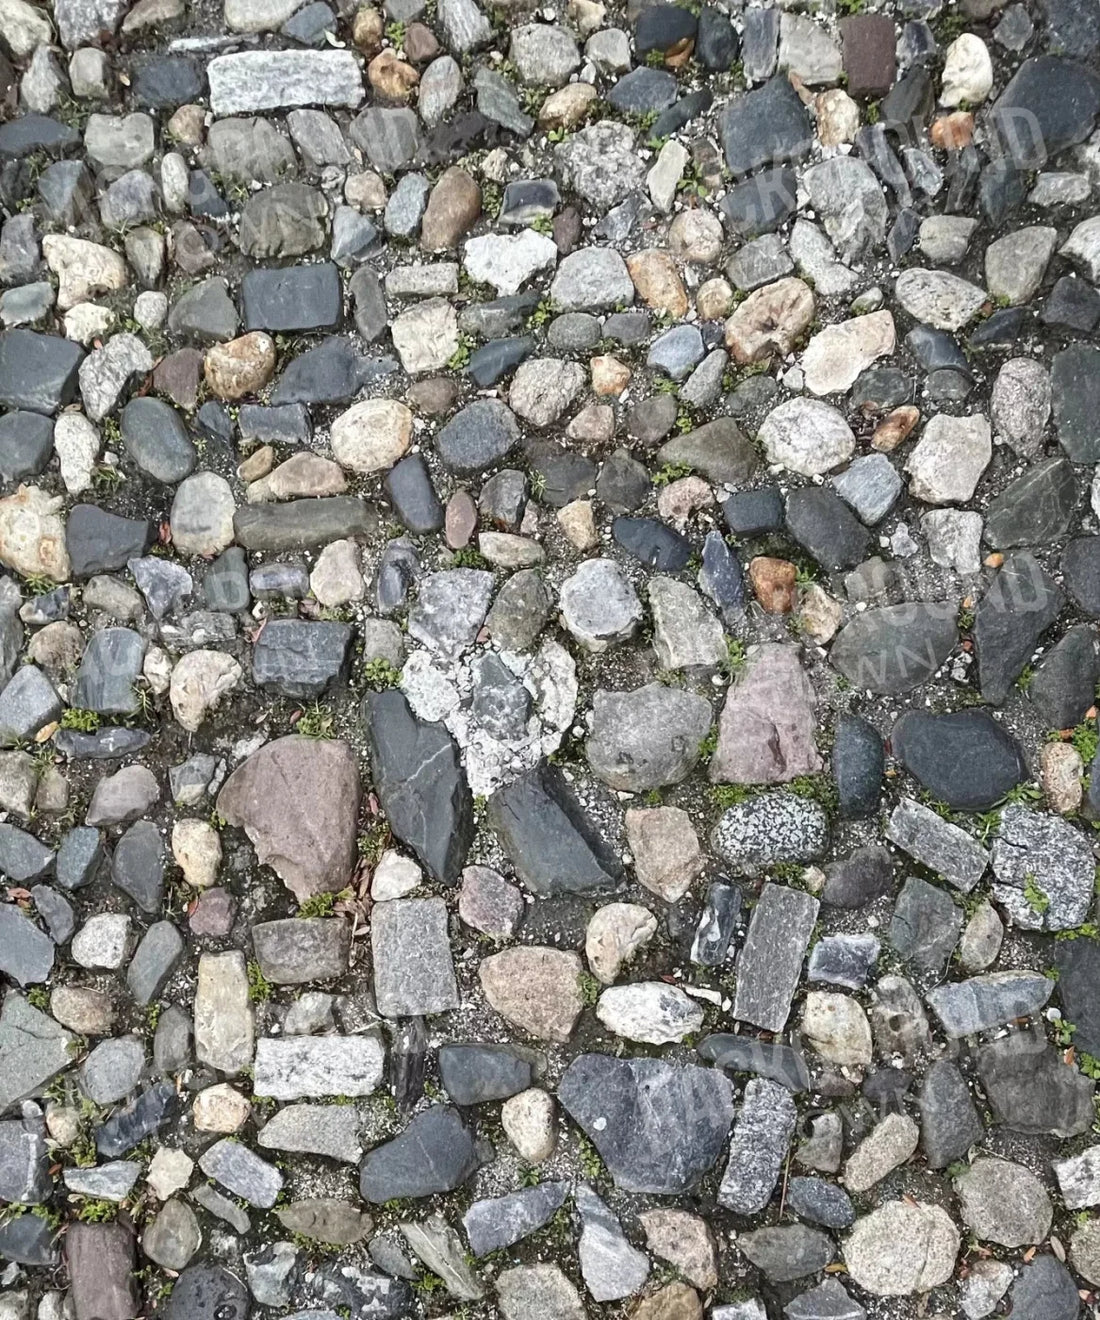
297	1067
770	828
659	1126
273	80
242	1172
761	1138
33	1050
647	738
770	962
328	1130
26	953
301	659
296	950
436	1153
492	1225
1045	870
413	971
925	925
610	1266
966	1007
938	844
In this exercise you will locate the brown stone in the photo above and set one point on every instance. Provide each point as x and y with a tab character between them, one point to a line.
869	58
767	725
367	28
454	205
420	43
954	131
894	428
675	1301
770	320
392	77
714	299
178	376
658	281
666	851
303	475
460	520
188	125
241	367
433	396
1060	770
297	799
213	913
100	1258
774	582
685	1241
537	989
567	230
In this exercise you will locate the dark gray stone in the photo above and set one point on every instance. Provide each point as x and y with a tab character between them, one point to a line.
1035	509
765	127
37	372
1031	1090
137	866
477	437
26	443
1021	603
658	1126
925	926
857	762
506	1220
101	542
301	524
141	1118
436	1153
964	758
409	486
749	1054
22	856
866	875
297	658
296	950
1045	1290
420	783
770	963
820	1202
473	1074
208	1292
1063	687
1050	103
156	439
895	648
153	962
823	524
547	836
110	666
292	298
26	953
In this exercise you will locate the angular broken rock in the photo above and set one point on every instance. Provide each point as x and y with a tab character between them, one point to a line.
936	843
770	963
902	1247
766	729
436	1153
658	1126
413	969
537	989
297	799
420	783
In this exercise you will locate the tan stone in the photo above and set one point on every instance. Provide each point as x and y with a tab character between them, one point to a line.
837	117
303	475
199	681
372	435
838	354
454	205
714	299
258	464
665	846
242	366
677	501
609	375
32	535
770	320
367	29
895	428
365	191
774	583
695	236
685	1241
188	125
567	107
675	1301
953	132
837	1028
819	615
616	932
596	422
197	848
220	1108
392	77
536	988
579	524
1060	771
83	269
658	281
528	1120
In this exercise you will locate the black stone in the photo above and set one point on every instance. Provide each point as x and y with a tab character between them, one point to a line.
935	349
659	1126
949	1123
1031	1089
544	831
858	761
862	878
747	1054
660	27
142	1117
820	1202
717	42
108	743
1001	330
37	372
436	1153
925	926
1036	508
964	758
208	1292
903	233
624	483
721	577
333	372
297	658
156	439
654	543
1073	304
1063	686
101	541
761	203
1002	188
964	169
420	783
1075	395
1022	602
643	91
682	112
1078	964
409	486
1050	104
765	127
754	512
821	522
300	524
494	360
137	867
163	82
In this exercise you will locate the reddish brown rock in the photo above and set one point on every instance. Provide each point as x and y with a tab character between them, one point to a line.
460	520
391	77
420	43
178	377
869	58
297	799
100	1258
895	428
774	583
